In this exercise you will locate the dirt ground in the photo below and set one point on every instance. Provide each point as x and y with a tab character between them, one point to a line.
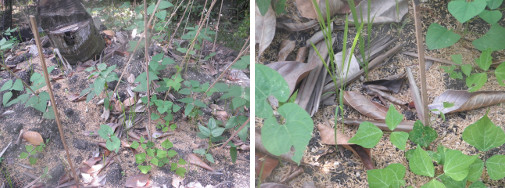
326	166
81	121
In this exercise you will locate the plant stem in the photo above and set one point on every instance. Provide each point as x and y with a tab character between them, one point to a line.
146	55
235	133
422	64
51	95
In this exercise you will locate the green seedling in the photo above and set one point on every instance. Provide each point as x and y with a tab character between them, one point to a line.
103	76
156	156
112	141
31	151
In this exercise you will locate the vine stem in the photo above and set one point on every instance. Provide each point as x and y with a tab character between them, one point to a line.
422	64
235	133
51	95
17	77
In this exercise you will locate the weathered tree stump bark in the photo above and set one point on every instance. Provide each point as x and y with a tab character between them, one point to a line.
6	15
70	29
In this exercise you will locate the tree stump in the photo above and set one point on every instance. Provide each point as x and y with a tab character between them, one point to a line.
70	29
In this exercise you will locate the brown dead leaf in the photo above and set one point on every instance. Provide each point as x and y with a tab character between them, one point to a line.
328	137
393	83
109	33
267	163
289	25
307	9
193	159
33	138
364	106
129	102
301	54
221	115
265	29
139	180
464	100
287	47
274	185
292	71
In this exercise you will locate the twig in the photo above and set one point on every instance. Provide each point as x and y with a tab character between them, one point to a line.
146	55
422	64
235	133
234	61
51	95
179	24
405	126
5	149
217	27
17	77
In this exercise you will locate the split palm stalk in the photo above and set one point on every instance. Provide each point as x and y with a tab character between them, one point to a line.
422	64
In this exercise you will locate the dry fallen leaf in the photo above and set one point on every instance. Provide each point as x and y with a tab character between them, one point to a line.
393	83
266	163
307	9
265	29
33	137
139	180
76	98
364	106
292	71
193	159
287	47
129	102
274	185
328	137
464	100
109	33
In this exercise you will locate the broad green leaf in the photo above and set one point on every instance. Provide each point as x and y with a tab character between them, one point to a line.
175	82
368	135
217	132
135	145
114	144
393	117
23	155
98	85
478	184
164	4
204	130
457	164
209	158
391	176
420	163
140	158
493	39
6	97
180	171
466	69
171	153
242	63
161	14
450	183
161	153
485	60
491	17
475	171
268	83
7	86
399	139
105	131
142	78
233	154
18	85
494	4
32	160
500	74
422	135
167	144
475	81
156	161
464	11
457	58
484	134
263	6
295	132
433	184
495	166
238	102
440	37
144	169
49	114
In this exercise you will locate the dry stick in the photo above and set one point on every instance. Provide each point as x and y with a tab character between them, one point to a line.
146	55
179	24
17	77
51	95
217	27
422	64
235	133
234	61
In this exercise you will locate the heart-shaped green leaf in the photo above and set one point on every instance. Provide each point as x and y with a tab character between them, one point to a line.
494	4
420	163
499	72
391	176
457	164
491	17
268	83
399	139
475	81
464	11
484	134
495	166
297	131
368	135
440	37
434	183
485	60
422	135
393	117
493	39
475	171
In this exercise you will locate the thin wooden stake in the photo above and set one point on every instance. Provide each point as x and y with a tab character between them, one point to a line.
422	64
146	55
51	95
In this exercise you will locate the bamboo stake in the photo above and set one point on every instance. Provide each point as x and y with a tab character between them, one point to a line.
422	64
51	95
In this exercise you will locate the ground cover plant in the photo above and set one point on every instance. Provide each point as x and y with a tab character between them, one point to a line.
141	110
389	140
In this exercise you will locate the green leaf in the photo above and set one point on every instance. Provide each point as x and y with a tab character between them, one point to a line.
180	171
49	114
457	58
217	132
114	144
500	74
155	161
242	63
475	81
422	135
495	166
161	153
209	158
164	4
23	155
161	14
174	82
204	130
450	183
433	184
440	37
268	83
167	144
142	78
171	153
448	104
98	85
154	116
464	11
105	131
391	176
475	171
393	117
399	139
7	86
466	69
188	109
144	169
6	97
457	164
485	60
477	184
484	134
493	39
233	154
494	4
135	145
32	160
491	17
420	163
368	135
140	158
296	132
18	85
